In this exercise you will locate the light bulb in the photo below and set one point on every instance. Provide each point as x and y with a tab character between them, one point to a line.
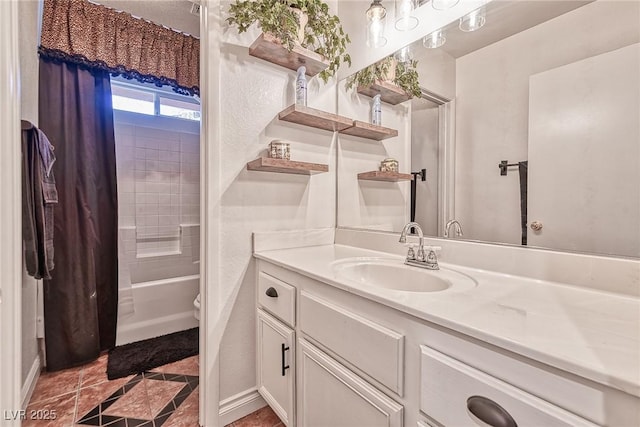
473	21
434	40
376	17
404	20
443	4
376	11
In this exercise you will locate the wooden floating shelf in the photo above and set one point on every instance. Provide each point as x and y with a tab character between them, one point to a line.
314	118
369	131
385	176
270	49
267	164
389	92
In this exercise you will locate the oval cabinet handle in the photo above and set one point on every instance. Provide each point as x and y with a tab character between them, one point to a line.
271	292
489	412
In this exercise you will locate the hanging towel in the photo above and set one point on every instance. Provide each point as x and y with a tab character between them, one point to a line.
523	168
39	195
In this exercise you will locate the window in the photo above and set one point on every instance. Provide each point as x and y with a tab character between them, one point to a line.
178	108
128	99
144	98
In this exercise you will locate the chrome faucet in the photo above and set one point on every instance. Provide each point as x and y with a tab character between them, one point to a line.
457	227
420	258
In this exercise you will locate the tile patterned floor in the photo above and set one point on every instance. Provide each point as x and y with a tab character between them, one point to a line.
264	417
166	396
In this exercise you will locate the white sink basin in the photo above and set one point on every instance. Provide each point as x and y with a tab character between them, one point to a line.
394	274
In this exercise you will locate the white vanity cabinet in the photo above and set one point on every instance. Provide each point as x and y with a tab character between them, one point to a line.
360	363
275	355
455	394
317	389
332	395
375	350
276	346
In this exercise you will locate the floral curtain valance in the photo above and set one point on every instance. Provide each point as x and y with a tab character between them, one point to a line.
90	34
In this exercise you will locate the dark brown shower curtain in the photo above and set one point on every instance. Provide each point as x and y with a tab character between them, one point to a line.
80	301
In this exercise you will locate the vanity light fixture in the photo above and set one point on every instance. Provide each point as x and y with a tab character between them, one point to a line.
434	40
404	55
473	21
376	18
443	4
404	20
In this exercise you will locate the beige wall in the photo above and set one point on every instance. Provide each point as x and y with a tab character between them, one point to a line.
28	38
436	70
492	96
252	92
425	154
386	205
372	204
584	144
437	73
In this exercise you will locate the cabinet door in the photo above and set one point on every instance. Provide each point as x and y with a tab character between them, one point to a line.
332	395
276	366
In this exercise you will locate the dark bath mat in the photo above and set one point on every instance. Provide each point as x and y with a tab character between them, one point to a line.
144	355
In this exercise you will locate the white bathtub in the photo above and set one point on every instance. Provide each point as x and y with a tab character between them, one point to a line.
160	307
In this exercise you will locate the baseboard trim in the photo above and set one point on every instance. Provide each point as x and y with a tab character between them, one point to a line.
30	382
240	405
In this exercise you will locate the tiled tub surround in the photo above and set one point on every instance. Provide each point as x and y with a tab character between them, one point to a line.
182	261
158	157
593	334
158	172
158	166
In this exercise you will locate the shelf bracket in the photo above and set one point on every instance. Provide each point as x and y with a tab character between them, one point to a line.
422	174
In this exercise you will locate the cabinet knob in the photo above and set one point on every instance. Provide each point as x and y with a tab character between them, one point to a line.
271	292
536	226
489	412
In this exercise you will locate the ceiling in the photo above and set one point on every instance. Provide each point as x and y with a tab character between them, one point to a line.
174	14
504	19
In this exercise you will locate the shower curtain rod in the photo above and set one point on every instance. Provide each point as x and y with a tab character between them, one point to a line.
143	19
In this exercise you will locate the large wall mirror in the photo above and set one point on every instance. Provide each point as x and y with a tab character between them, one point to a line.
528	128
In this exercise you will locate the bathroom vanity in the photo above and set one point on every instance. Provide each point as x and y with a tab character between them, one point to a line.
341	343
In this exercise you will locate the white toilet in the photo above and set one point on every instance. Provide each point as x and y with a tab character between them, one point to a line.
196	307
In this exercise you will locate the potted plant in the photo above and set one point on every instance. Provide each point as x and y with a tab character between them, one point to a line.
402	74
323	33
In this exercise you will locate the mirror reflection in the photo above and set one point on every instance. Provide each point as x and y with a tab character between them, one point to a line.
527	127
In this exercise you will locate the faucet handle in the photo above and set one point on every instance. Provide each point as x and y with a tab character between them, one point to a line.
431	258
411	254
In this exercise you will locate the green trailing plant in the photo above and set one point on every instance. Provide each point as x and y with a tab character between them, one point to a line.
367	76
406	76
323	33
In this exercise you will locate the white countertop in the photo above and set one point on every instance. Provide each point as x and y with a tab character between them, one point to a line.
593	334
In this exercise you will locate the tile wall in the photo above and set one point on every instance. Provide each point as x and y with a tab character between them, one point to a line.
158	168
